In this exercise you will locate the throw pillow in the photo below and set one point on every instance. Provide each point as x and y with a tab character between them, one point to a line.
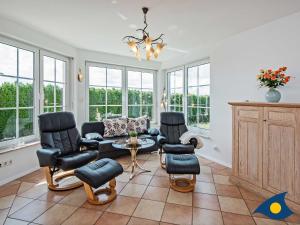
137	124
115	127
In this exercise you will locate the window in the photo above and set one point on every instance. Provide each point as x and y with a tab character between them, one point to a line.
140	94
54	82
17	107
105	92
175	91
198	101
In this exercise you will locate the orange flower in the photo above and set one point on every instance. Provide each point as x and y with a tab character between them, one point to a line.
273	78
258	76
267	76
269	71
284	68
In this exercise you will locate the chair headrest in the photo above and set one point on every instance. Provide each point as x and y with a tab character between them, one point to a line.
172	118
57	121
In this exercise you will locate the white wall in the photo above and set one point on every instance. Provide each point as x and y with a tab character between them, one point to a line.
235	63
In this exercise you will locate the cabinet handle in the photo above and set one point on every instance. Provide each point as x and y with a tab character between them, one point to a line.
265	120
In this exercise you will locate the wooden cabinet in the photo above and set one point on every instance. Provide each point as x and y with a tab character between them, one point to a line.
266	148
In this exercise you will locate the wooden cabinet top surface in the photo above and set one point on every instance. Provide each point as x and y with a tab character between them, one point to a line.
266	104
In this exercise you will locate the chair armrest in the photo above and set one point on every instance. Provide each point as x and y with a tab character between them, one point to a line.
153	132
90	144
194	142
161	140
48	157
94	136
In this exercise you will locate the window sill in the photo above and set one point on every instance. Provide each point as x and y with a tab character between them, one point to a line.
18	147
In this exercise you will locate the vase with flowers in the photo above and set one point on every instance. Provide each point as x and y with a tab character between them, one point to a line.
133	137
273	79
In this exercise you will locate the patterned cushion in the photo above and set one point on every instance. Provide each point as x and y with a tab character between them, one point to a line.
115	127
137	124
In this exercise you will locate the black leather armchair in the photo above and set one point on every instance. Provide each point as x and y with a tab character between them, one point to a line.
63	148
172	126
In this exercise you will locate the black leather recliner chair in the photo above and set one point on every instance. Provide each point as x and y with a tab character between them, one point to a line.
63	148
172	126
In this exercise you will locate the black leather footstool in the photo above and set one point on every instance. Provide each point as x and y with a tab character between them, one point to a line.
182	164
97	174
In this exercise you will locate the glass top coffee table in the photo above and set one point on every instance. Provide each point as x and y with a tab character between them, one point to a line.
143	143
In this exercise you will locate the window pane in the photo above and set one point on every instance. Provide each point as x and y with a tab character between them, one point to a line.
25	63
25	93
7	92
147	97
114	111
60	71
134	111
147	111
97	96
49	68
25	122
204	74
60	94
97	76
48	109
114	77
179	79
8	60
192	115
59	108
7	124
134	97
48	94
147	80
193	76
96	113
134	79
192	96
114	96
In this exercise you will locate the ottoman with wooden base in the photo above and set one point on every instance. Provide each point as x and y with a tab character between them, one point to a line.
182	164
96	174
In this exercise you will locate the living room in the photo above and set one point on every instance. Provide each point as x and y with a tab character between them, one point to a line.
223	73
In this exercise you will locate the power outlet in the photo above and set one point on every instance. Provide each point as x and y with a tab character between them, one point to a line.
6	163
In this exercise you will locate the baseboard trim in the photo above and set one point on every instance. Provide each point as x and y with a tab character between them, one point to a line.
215	160
7	180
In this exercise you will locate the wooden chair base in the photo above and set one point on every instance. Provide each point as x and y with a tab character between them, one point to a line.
55	183
162	162
182	184
101	196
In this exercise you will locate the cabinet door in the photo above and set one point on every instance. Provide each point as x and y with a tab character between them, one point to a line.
280	150
248	144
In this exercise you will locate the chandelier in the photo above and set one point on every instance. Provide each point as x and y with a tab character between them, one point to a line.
153	46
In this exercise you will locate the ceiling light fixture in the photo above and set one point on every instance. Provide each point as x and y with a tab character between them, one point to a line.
153	46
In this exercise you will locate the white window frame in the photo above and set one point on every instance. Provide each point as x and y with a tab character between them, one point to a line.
125	70
26	139
66	98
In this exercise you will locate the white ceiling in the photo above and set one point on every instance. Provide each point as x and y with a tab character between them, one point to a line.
99	25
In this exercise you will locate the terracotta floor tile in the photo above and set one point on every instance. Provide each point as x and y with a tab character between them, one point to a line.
233	205
252	205
32	210
163	223
140	221
180	198
9	189
205	178
160	182
235	219
143	156
88	205
7	201
133	190
10	221
206	217
35	191
149	209
228	190
55	215
34	177
24	186
124	177
263	221
3	214
206	201
295	219
217	166
141	179
204	187
151	164
54	196
156	193
154	156
75	198
161	172
83	216
177	214
112	219
19	203
251	195
220	179
204	161
123	205
225	172
205	170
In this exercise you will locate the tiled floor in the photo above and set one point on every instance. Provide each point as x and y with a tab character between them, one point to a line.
145	200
